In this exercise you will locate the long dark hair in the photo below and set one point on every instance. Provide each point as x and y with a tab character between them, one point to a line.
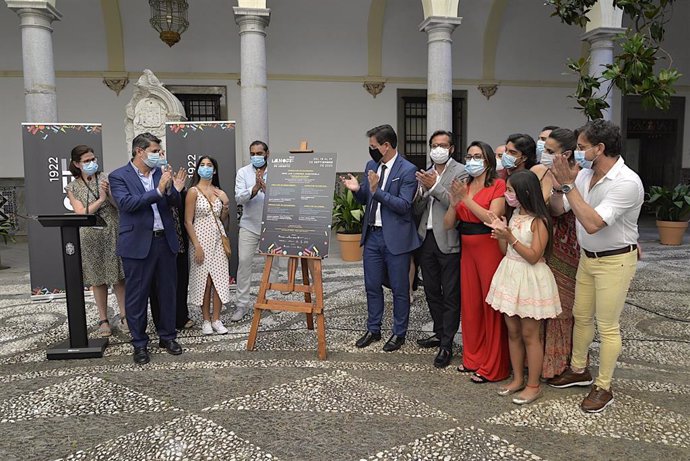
214	179
528	192
526	145
75	155
567	140
489	161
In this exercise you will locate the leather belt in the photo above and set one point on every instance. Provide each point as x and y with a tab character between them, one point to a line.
601	254
375	228
159	233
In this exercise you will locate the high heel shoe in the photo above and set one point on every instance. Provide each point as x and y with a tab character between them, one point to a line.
506	391
521	401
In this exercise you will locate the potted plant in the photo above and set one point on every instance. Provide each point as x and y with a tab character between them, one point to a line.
672	210
7	234
347	222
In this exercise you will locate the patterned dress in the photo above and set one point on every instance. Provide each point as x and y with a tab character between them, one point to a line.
563	262
215	261
100	264
520	288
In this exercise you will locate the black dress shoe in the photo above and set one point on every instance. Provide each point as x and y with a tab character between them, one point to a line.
443	357
394	343
431	341
141	355
367	339
171	346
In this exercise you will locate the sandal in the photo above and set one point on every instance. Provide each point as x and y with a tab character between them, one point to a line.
104	328
461	368
476	378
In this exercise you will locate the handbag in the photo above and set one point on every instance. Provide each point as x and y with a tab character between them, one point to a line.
226	241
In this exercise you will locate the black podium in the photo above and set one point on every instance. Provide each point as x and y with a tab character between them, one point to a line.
79	346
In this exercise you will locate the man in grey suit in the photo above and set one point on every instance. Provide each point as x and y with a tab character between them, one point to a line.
439	255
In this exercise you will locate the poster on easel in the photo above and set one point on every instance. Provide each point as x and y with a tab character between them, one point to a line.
298	208
47	151
187	142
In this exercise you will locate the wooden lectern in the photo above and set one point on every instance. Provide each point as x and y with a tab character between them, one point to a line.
79	346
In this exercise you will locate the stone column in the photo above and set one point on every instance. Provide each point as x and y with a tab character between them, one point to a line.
601	54
37	53
439	99
253	93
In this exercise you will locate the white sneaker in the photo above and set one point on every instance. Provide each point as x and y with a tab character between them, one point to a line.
219	327
239	314
206	328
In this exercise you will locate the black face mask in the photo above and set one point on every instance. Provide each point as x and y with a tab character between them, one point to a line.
376	155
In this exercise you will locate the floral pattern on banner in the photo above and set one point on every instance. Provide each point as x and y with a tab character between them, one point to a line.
185	128
44	131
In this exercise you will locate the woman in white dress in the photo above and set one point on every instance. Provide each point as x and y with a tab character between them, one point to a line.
206	207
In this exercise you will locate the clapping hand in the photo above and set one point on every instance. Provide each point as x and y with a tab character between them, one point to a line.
165	181
427	178
458	191
104	188
350	182
373	181
180	179
499	226
563	172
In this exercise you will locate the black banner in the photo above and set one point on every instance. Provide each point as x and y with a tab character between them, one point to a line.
47	151
298	206
186	142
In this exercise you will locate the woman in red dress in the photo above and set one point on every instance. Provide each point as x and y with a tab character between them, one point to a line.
484	337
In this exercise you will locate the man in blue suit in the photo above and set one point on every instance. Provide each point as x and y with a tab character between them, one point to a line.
147	242
389	234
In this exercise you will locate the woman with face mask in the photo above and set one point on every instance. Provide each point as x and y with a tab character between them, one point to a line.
521	154
484	337
89	193
206	208
563	262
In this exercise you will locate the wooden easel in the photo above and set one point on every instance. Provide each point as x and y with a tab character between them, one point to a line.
313	297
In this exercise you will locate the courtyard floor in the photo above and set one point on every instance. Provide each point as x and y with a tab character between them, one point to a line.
219	401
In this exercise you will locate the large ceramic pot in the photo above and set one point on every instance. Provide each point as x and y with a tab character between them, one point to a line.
671	232
349	247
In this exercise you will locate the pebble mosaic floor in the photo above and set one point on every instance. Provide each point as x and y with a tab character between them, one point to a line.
219	402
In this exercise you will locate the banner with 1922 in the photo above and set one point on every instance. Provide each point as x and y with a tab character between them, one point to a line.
47	150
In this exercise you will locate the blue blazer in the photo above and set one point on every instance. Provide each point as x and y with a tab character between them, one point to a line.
399	230
136	214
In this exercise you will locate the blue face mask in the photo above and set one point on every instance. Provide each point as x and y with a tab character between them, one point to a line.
152	159
90	168
258	161
475	167
205	172
508	161
579	156
162	162
540	149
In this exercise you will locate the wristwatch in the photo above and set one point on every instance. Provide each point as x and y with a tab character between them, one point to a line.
565	188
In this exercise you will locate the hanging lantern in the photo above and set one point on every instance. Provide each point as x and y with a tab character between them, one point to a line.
169	18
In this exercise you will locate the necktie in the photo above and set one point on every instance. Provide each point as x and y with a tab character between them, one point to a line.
375	203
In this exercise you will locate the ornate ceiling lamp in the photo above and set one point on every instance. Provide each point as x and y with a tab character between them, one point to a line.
169	18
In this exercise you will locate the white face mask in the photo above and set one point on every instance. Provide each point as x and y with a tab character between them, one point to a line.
547	159
439	155
540	149
499	164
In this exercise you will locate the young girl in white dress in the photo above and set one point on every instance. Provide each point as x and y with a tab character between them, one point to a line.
523	287
206	207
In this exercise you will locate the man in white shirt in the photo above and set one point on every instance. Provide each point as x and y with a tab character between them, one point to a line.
606	197
250	189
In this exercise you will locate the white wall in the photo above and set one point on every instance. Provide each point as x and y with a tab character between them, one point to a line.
332	116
